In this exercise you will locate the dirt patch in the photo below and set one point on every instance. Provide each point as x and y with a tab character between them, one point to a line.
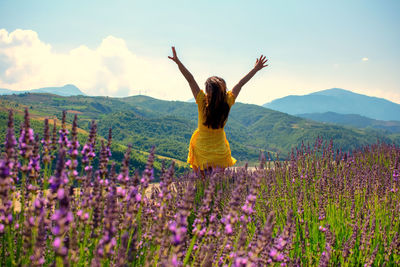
74	111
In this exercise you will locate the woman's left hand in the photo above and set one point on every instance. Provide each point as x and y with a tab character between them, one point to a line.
261	63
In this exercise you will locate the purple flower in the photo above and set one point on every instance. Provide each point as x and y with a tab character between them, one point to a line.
174	261
60	193
148	174
123	177
178	233
63	139
4	170
60	176
280	257
88	149
273	253
26	138
138	197
228	229
57	242
396	175
240	261
46	142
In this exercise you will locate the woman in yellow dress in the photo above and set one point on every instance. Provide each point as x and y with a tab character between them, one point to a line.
208	146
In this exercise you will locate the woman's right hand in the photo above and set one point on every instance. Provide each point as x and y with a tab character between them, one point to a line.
261	63
188	76
174	56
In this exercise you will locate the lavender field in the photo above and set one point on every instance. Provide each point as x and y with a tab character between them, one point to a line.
319	208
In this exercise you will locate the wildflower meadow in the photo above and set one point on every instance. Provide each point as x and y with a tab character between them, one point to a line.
318	207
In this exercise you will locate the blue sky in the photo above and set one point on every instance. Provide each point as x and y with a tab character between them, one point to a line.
120	48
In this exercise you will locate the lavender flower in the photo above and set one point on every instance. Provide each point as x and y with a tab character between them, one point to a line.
6	204
73	147
63	140
7	172
10	142
103	161
61	220
148	174
88	149
54	139
26	138
350	242
123	177
34	161
41	223
46	143
106	245
178	227
109	141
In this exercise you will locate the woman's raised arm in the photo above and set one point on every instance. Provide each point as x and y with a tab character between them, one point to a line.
188	76
260	64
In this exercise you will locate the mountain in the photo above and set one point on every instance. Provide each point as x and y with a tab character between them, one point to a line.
353	120
6	91
66	90
339	101
144	121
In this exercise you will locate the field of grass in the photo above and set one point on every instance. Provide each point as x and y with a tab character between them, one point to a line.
320	207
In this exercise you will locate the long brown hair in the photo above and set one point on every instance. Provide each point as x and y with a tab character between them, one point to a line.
217	108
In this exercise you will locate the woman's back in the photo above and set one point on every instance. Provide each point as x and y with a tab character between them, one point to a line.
201	106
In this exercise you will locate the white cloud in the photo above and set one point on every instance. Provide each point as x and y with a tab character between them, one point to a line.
110	69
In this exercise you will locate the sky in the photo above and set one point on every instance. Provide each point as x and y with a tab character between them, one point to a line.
120	48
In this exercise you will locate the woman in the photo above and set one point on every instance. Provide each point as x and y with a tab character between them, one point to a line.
208	146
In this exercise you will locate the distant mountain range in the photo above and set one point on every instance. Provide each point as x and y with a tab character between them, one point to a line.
66	90
353	120
339	101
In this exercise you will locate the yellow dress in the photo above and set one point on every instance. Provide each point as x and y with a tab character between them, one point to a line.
209	147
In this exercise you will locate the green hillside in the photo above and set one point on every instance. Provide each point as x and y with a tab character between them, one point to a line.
138	158
144	121
252	128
